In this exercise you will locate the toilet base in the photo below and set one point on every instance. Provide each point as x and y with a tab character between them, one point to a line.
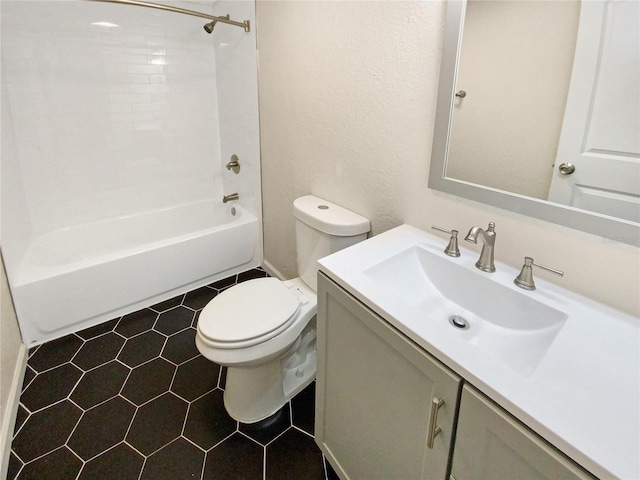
257	392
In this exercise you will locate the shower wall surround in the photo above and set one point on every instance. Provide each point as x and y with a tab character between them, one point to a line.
112	111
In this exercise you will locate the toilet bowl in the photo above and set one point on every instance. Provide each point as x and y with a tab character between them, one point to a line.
264	330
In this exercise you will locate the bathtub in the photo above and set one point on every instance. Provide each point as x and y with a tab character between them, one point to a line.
80	276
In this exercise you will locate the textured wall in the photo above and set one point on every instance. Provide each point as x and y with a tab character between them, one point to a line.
347	105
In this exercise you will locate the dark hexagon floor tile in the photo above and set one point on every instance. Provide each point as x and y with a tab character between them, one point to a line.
331	473
197	299
98	351
136	322
181	347
120	463
46	430
195	378
208	422
177	461
29	375
21	417
50	387
149	381
237	458
100	384
224	283
168	304
55	353
174	320
294	455
59	464
97	330
222	381
142	348
13	467
102	427
157	423
251	274
268	429
303	408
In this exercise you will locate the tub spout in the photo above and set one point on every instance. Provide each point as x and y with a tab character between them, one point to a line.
228	198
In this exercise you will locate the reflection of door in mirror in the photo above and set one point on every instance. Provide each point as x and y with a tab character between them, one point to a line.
601	129
515	66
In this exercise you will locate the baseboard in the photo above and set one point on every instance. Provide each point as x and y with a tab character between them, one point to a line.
11	409
273	271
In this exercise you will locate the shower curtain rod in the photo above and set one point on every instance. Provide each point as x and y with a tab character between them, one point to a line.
244	25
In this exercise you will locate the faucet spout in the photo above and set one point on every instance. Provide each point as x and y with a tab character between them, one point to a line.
488	238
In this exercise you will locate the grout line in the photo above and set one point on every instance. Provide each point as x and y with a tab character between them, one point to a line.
303	431
223	440
264	463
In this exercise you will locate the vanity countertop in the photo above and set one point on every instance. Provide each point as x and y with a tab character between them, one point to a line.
583	396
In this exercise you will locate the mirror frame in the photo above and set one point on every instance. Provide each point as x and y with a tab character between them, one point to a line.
612	228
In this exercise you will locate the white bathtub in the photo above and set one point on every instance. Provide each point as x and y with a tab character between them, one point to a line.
80	276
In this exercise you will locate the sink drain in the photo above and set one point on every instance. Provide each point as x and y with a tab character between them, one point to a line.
459	322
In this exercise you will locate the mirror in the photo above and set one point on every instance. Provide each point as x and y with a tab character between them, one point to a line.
511	111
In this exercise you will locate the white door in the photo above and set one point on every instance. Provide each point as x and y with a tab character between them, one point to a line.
601	129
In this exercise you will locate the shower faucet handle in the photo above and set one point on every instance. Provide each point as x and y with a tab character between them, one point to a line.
452	248
234	164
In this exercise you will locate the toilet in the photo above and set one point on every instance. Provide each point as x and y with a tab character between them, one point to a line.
264	330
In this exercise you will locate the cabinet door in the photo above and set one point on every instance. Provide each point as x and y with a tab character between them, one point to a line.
374	395
492	445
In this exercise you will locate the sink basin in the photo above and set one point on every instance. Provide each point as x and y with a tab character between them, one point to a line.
504	323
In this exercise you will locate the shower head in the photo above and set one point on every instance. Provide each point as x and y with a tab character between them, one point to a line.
209	26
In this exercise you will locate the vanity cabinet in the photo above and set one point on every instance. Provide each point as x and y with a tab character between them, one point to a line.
491	445
378	395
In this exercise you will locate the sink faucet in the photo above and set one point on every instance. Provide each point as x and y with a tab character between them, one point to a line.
488	237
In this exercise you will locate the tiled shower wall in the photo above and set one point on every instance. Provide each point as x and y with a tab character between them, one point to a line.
111	110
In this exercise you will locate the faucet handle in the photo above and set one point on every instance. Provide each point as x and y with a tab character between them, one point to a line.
525	278
452	248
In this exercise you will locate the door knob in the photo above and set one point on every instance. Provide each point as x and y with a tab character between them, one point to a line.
566	168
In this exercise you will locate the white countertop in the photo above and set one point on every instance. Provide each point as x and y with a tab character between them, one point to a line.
583	396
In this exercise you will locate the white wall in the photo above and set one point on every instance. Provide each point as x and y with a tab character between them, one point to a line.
105	121
515	65
237	82
347	105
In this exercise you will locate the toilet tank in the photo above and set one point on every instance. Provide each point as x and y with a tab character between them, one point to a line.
323	228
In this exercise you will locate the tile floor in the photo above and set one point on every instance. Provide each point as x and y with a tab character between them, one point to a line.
133	399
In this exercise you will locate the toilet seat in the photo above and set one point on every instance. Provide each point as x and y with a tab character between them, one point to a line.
248	313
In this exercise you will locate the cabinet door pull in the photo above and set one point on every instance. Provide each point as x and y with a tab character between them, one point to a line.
434	429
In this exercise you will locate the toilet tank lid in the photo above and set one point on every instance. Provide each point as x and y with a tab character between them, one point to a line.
329	217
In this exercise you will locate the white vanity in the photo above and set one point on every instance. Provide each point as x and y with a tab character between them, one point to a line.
542	384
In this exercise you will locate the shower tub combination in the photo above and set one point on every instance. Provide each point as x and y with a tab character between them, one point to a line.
65	277
77	277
